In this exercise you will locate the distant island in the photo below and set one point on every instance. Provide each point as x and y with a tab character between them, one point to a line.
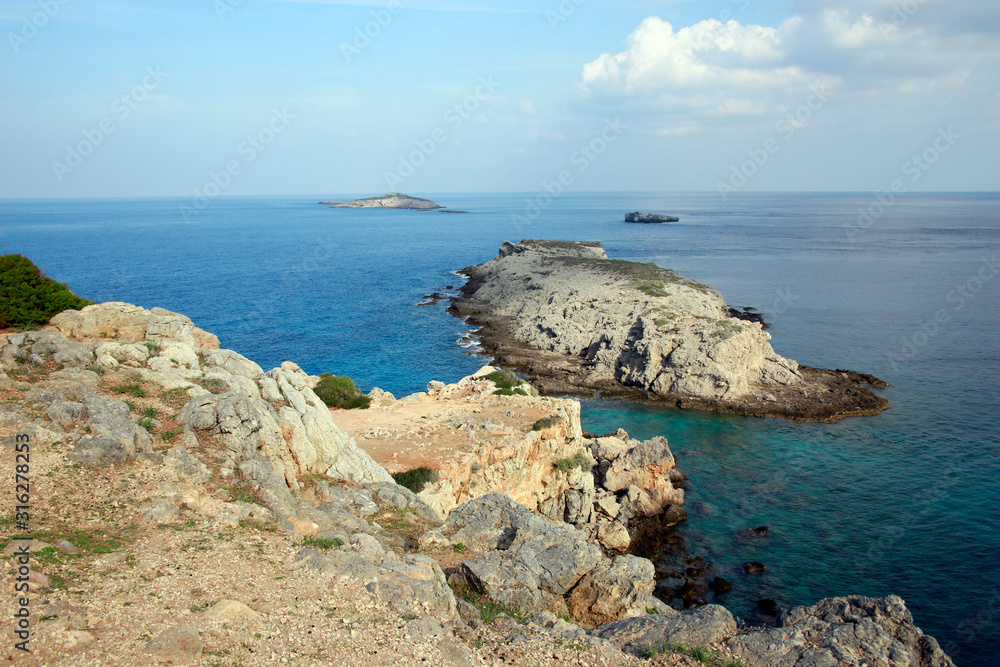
388	200
635	216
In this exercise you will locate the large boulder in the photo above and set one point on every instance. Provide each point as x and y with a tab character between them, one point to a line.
851	631
413	584
697	627
532	564
615	589
301	438
132	324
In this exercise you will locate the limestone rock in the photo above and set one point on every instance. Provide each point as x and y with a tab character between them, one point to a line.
231	611
179	645
132	324
615	589
411	583
697	627
851	631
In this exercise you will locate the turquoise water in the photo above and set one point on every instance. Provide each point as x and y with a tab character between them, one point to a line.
905	502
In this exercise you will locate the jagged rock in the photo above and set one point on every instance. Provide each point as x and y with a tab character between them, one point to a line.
850	631
159	510
615	589
250	427
698	627
100	451
109	418
132	324
412	584
178	645
234	363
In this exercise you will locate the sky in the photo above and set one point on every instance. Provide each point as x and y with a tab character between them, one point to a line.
107	98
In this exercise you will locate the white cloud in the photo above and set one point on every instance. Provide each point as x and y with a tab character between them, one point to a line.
734	69
526	106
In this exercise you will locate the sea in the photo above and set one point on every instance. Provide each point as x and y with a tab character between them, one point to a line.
905	287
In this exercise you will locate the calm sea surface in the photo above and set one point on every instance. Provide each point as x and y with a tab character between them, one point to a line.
907	502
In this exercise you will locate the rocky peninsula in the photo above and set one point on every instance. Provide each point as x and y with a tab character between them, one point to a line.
578	322
188	505
388	200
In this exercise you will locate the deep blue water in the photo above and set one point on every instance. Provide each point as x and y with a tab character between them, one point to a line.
905	502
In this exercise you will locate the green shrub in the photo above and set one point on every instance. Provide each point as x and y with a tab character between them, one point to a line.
504	379
338	391
28	298
577	461
510	392
415	480
131	389
323	542
546	422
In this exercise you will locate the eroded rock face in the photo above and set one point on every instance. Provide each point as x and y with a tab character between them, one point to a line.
850	631
526	447
532	564
564	312
132	323
697	627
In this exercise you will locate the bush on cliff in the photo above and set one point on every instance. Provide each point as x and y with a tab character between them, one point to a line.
29	298
506	381
415	480
339	392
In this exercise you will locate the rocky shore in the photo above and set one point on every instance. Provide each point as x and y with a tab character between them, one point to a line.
577	323
388	200
190	508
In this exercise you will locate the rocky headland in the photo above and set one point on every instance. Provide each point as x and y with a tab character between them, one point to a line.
578	322
388	200
190	508
636	216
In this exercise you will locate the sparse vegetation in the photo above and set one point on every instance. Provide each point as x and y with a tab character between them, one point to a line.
28	298
130	389
507	382
546	422
338	391
488	609
579	460
415	480
323	542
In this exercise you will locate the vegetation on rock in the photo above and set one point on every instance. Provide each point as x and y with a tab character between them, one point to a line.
415	480
338	391
29	298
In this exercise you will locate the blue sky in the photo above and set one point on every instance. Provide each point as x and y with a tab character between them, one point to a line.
110	98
